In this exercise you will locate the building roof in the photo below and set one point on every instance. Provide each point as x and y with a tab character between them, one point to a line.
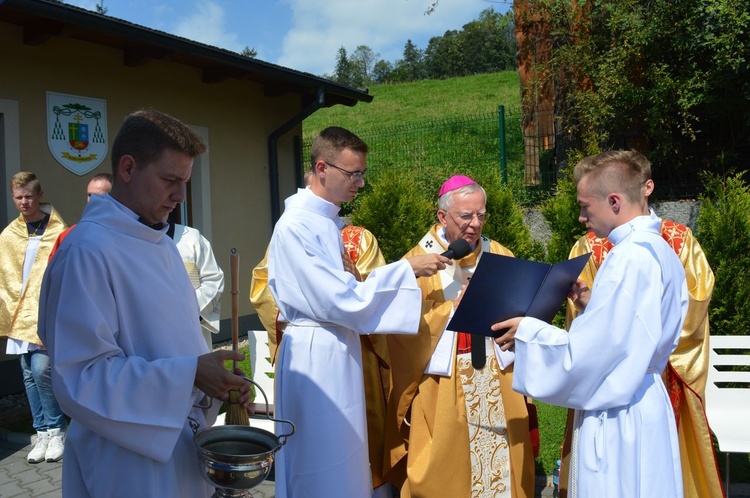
44	19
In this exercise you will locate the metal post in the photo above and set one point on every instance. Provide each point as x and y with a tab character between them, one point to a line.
501	133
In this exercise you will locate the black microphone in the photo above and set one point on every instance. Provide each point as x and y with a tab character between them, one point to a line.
457	249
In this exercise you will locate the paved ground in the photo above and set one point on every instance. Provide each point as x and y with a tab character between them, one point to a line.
20	479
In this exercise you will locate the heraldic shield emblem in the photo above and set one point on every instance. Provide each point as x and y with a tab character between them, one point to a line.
77	131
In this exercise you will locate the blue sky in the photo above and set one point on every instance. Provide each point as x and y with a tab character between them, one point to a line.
301	34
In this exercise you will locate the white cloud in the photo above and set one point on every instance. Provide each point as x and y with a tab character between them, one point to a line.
85	4
207	24
312	30
320	27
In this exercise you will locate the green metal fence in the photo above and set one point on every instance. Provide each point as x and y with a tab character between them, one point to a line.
527	151
471	143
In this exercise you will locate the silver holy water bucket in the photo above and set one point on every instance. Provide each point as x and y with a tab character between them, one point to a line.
236	458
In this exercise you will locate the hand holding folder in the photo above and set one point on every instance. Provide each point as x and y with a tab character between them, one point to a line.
503	287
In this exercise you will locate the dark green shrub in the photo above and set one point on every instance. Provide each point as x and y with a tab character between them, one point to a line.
561	212
396	210
506	222
400	206
723	229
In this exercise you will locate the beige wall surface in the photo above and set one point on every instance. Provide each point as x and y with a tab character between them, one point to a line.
235	115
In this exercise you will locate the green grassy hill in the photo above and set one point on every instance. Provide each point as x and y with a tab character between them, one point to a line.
394	105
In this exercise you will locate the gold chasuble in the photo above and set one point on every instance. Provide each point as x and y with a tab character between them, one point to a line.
265	306
687	370
18	313
434	438
362	247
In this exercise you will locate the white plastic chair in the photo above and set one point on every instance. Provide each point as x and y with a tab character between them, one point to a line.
728	408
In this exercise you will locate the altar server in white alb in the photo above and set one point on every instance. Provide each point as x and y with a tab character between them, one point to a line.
205	275
608	367
120	320
319	382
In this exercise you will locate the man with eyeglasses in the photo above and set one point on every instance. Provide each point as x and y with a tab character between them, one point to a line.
319	379
436	389
362	255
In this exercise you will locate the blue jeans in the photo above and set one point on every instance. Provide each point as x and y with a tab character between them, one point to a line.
36	377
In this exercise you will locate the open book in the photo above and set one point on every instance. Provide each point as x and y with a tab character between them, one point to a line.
503	287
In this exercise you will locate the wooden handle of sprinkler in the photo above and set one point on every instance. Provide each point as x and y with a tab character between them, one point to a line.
234	276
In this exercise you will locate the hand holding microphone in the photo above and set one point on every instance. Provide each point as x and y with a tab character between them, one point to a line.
428	264
457	249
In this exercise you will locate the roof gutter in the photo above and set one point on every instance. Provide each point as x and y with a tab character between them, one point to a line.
273	150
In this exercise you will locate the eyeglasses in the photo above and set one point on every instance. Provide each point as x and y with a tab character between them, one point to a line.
467	218
350	175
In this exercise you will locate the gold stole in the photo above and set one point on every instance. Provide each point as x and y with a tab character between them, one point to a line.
19	314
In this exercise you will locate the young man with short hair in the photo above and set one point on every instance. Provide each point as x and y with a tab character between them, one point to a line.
121	321
608	366
25	246
319	376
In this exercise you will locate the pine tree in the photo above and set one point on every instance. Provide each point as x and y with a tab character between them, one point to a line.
343	71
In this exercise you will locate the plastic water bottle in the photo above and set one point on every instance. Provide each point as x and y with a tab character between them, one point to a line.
556	480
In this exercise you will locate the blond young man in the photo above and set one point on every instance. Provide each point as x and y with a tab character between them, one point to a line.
608	366
25	246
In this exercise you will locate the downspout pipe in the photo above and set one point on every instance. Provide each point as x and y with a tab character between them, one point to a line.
273	150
